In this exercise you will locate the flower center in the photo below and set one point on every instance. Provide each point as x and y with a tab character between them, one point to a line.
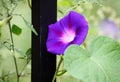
68	36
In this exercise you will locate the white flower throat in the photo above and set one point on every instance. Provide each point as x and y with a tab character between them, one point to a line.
68	36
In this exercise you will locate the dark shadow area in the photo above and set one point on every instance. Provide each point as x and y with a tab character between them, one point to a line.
44	12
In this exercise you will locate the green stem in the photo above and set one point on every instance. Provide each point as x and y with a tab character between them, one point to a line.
16	68
24	67
61	59
28	1
61	72
12	49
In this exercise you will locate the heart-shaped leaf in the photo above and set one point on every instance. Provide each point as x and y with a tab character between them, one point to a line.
100	64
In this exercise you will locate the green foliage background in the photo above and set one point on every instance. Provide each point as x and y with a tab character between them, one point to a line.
22	42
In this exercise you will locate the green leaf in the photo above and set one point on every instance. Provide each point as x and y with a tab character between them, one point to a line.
20	51
16	29
30	26
21	57
28	52
60	11
100	64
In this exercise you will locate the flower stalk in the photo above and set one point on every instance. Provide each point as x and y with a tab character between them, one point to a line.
57	69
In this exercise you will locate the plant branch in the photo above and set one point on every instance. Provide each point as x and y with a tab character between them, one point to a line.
15	61
12	49
61	72
24	67
61	59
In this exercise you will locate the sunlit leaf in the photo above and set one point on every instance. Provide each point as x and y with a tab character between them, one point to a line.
30	26
100	64
16	29
22	53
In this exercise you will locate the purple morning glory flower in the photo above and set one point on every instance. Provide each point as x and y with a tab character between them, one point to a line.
72	29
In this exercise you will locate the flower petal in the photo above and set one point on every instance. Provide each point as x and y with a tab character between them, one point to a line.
55	31
72	29
78	21
56	46
80	37
74	21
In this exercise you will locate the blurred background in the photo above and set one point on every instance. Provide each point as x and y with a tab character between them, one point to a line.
17	13
103	17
